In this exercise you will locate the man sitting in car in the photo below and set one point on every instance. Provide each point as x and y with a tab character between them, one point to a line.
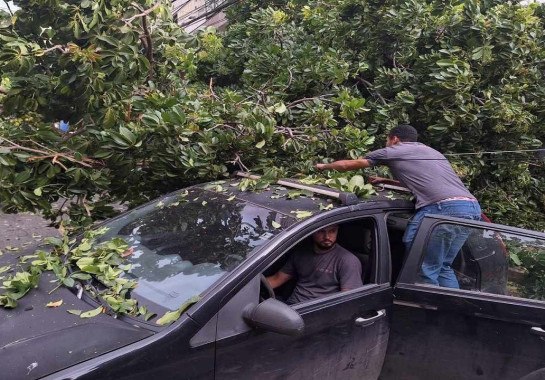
327	269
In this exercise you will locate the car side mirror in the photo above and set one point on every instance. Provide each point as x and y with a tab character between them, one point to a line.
275	316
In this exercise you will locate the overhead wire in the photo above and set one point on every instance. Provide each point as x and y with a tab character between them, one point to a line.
538	157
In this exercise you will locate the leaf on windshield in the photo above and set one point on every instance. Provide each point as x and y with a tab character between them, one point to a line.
5	268
173	316
231	198
54	303
53	241
276	224
84	246
204	203
142	310
10	248
301	214
75	312
92	313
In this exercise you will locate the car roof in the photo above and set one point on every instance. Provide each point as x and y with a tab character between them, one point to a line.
292	202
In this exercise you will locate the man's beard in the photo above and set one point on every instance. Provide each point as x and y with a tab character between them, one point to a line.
325	245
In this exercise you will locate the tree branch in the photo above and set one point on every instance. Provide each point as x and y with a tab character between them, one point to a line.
298	101
60	48
41	155
143	14
149	46
368	86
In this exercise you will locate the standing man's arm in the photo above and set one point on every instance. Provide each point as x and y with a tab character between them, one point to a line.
345	165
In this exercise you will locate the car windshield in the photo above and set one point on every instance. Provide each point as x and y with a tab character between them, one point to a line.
186	241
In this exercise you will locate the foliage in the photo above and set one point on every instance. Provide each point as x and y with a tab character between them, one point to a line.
531	260
289	83
79	264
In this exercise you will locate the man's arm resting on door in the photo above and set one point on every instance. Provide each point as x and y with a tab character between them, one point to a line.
278	279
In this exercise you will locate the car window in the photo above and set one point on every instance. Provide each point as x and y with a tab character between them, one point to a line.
492	261
186	241
318	275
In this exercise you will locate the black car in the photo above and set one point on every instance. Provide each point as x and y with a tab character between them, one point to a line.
220	244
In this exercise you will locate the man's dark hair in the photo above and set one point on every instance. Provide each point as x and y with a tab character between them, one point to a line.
404	132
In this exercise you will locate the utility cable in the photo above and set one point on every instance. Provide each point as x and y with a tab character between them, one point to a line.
541	150
540	156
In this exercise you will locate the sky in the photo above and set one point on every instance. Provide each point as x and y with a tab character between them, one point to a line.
13	7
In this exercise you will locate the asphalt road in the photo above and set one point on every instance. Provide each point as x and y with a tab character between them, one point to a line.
18	231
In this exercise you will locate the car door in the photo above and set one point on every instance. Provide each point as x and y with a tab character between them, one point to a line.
490	328
345	334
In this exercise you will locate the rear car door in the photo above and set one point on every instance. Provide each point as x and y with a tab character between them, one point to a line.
345	335
493	327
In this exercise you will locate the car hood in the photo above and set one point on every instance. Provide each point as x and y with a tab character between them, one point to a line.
36	340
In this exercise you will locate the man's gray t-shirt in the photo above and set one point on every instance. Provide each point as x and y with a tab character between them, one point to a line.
321	274
425	171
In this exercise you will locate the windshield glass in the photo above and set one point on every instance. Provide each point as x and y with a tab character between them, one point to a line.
185	242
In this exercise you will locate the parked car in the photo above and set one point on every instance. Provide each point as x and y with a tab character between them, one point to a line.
219	243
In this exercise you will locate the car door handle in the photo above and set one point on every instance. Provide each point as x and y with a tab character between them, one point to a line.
538	331
369	321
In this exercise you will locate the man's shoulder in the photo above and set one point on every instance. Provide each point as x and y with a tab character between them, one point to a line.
344	253
414	147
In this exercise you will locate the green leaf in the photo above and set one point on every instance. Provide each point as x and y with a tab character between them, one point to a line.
110	41
172	316
91	313
128	135
280	108
355	181
514	258
445	62
301	214
328	207
275	224
73	311
260	144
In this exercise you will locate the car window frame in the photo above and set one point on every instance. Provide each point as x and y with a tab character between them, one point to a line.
339	297
265	255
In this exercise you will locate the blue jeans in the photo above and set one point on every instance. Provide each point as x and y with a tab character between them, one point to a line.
445	242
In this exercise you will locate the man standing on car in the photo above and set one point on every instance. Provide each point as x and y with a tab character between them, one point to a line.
327	269
437	189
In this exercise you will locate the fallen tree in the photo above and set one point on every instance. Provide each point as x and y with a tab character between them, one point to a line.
145	108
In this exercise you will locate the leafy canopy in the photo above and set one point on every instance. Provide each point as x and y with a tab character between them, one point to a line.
289	83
